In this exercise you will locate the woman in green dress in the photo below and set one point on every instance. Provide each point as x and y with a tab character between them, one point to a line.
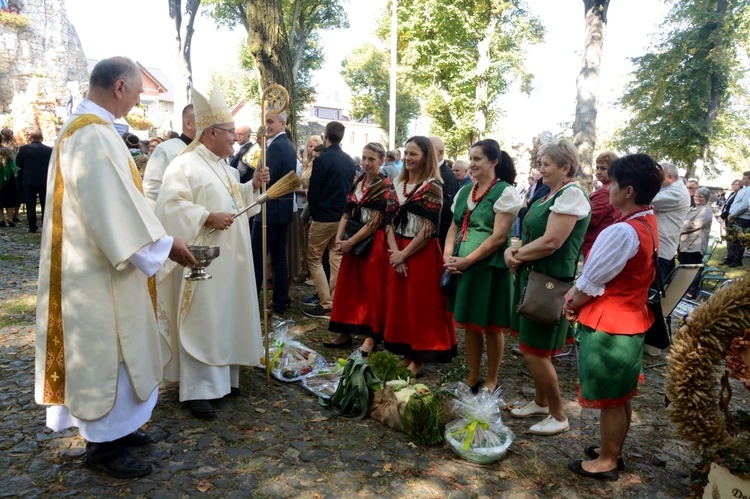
552	235
483	215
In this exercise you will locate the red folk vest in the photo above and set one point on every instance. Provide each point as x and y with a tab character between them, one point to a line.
622	308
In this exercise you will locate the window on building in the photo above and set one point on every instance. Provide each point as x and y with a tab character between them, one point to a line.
335	115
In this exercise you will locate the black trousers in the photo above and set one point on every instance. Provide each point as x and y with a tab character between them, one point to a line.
736	251
276	235
30	193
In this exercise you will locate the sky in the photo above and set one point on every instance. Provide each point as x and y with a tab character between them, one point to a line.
145	33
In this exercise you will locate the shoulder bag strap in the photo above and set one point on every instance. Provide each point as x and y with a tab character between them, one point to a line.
659	277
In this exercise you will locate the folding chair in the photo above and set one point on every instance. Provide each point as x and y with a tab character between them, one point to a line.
677	283
711	274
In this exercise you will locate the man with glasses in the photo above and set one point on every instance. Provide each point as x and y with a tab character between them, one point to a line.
739	214
213	325
243	140
671	206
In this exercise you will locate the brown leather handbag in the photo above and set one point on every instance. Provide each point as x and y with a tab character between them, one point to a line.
543	299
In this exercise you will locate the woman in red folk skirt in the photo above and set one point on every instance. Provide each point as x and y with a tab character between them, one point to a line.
359	304
417	324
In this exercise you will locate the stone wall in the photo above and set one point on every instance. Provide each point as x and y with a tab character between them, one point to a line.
48	47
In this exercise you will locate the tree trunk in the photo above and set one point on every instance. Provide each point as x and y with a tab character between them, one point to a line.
587	86
268	42
481	94
716	94
184	29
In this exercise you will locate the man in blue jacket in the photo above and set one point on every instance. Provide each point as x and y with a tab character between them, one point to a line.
281	158
332	178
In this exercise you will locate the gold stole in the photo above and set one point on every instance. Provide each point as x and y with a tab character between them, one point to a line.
54	368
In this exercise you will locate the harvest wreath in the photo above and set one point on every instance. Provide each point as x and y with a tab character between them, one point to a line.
697	383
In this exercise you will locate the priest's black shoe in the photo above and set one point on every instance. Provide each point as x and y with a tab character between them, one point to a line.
201	408
236	392
125	465
135	439
577	468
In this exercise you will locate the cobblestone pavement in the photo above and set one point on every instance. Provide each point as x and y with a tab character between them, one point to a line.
278	442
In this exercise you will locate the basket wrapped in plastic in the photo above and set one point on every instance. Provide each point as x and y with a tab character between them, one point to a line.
323	380
478	435
290	359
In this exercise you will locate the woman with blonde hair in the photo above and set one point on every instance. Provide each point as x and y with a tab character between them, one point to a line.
360	309
551	239
417	324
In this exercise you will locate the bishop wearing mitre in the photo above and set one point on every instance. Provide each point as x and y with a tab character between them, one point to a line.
214	325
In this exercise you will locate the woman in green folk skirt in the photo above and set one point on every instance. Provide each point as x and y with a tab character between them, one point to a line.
609	302
552	235
483	215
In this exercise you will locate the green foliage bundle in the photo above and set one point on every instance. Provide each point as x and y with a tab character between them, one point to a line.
138	122
352	396
387	367
426	414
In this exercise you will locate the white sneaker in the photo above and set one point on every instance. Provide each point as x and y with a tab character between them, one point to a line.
529	410
550	426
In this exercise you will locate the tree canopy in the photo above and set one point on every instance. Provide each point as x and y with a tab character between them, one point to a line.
302	21
366	72
686	98
462	55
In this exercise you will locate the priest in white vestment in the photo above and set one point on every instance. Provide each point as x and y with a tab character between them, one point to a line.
214	324
99	354
164	153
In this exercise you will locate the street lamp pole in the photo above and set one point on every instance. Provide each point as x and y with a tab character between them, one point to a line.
394	46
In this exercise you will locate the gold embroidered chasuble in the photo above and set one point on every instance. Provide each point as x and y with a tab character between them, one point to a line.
94	308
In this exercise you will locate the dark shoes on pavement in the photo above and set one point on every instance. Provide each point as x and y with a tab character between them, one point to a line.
201	408
593	454
113	458
135	439
577	468
318	312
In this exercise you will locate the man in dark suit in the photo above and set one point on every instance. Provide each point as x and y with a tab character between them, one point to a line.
236	161
450	188
33	162
332	178
281	158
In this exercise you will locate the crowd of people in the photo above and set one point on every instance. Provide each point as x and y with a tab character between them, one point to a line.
378	237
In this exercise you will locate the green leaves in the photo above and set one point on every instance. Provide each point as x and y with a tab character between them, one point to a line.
683	91
367	73
461	56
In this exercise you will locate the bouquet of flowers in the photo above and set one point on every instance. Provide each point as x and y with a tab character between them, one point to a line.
738	235
290	359
479	435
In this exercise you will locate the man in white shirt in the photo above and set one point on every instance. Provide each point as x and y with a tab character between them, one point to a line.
671	206
739	215
98	346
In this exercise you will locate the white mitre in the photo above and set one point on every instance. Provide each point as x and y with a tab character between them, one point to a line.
208	113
